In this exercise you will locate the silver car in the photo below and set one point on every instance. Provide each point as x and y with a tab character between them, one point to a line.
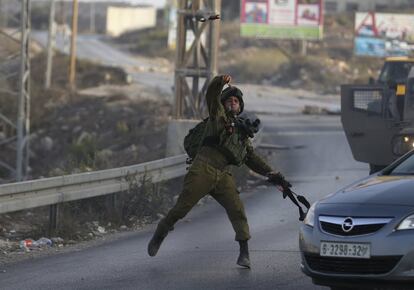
363	235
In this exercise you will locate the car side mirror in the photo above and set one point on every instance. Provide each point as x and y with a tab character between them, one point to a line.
401	144
392	84
371	80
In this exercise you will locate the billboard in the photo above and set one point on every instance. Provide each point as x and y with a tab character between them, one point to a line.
383	34
122	19
286	19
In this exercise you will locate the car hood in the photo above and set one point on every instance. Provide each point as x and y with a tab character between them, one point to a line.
381	190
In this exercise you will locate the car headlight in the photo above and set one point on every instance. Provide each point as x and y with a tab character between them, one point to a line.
310	216
407	223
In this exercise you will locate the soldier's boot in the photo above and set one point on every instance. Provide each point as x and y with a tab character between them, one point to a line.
154	245
244	259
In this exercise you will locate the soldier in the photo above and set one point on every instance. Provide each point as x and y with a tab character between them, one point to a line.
223	145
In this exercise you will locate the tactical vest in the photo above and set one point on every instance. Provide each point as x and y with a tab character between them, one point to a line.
233	146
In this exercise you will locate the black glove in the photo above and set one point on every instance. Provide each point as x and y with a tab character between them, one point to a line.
278	179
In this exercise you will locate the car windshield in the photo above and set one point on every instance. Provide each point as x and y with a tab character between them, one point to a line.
404	168
395	71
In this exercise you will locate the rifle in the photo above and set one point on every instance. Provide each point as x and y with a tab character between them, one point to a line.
279	179
247	127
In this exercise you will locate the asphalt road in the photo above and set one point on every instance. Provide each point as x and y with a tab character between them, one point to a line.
94	48
201	252
150	72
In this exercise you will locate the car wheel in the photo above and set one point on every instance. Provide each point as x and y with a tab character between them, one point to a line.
339	288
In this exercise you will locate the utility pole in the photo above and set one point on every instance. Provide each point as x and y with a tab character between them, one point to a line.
3	14
72	65
200	60
23	113
92	18
15	85
62	12
50	45
303	47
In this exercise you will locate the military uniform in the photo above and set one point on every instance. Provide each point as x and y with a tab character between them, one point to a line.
209	173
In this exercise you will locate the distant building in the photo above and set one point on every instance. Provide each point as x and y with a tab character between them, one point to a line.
123	19
332	6
98	16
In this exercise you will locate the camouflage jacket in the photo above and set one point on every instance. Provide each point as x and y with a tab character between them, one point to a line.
216	131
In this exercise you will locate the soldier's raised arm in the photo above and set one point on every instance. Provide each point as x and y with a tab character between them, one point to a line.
214	92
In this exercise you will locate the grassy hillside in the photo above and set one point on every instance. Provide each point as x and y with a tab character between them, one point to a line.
327	64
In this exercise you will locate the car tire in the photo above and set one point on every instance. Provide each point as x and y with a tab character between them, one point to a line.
339	288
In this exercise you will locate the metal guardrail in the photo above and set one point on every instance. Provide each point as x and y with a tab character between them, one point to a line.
54	190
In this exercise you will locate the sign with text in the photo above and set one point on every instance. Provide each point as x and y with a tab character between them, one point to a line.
285	19
384	34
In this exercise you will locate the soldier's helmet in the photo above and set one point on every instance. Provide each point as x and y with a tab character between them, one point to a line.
233	92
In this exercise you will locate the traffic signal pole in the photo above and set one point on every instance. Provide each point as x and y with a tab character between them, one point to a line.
72	63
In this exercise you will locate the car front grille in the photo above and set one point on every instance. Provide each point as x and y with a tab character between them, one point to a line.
352	226
330	265
357	230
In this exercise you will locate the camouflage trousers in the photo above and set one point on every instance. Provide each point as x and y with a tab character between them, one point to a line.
203	179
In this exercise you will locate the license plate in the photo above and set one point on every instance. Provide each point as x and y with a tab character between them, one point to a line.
346	250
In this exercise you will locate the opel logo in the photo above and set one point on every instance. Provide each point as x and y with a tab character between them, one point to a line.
347	225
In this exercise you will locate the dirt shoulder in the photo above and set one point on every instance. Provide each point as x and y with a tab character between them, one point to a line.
81	131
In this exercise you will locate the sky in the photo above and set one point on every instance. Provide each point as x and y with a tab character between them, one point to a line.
157	3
